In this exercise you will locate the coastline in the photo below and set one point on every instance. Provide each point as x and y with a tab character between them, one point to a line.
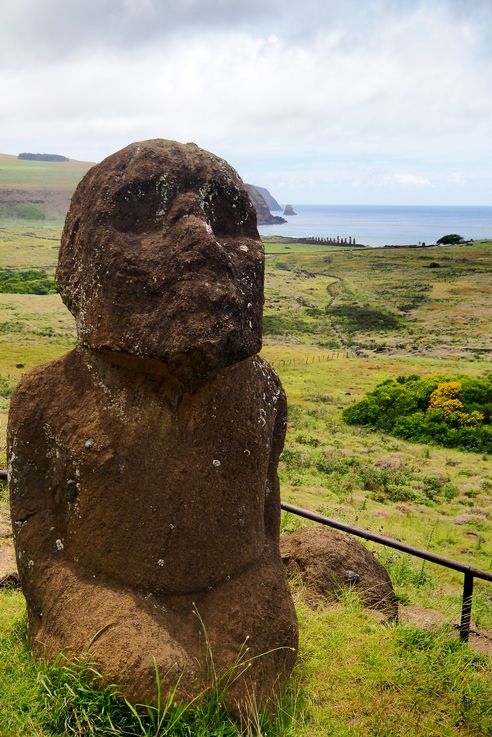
378	225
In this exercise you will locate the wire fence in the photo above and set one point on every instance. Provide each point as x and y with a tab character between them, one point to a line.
316	358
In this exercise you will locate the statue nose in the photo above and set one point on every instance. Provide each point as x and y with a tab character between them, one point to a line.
205	252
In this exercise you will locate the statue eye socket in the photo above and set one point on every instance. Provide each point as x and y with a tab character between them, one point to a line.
140	206
233	216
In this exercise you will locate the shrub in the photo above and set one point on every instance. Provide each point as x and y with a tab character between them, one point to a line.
454	411
6	388
29	212
26	281
22	211
450	240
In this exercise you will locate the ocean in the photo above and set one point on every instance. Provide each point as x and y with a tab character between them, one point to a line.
378	225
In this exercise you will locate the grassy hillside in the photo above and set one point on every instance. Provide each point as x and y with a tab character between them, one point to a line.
432	301
37	189
337	323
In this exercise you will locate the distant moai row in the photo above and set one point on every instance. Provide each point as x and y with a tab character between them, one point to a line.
330	241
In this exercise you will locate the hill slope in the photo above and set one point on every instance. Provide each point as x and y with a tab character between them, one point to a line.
271	202
263	214
43	187
35	190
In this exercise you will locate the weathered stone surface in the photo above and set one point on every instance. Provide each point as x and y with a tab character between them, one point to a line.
289	210
328	561
144	483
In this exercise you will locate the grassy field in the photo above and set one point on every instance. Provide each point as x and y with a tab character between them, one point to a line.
337	322
430	301
24	243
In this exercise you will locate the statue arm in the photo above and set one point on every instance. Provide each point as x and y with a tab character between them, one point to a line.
31	503
272	501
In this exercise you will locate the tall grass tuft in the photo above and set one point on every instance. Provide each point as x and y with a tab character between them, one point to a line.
77	701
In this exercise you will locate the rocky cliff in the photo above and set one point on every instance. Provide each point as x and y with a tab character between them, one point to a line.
272	203
263	214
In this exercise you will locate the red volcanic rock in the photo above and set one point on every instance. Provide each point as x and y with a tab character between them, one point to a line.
329	561
144	489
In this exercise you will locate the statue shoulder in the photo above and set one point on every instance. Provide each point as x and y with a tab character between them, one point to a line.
269	377
37	390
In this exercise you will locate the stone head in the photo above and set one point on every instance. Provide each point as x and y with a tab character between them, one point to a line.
161	259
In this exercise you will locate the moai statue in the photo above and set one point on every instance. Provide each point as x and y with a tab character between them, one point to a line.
143	464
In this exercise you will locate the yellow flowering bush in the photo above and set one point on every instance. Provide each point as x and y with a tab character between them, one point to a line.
451	411
447	398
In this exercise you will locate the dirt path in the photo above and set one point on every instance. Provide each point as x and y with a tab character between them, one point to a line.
343	342
332	296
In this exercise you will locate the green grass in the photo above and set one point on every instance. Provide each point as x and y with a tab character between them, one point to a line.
354	677
25	244
72	698
405	490
293	248
387	300
36	190
329	337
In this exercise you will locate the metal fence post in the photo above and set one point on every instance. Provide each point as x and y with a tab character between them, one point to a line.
466	607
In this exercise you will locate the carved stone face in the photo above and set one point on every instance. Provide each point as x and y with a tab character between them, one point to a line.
161	259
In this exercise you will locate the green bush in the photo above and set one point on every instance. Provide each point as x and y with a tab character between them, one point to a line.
407	407
450	239
29	212
6	388
22	211
26	281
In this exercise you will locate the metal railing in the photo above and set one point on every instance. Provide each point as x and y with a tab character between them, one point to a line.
470	573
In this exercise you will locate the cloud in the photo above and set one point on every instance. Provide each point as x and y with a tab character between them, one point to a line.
457	177
358	91
413	180
57	29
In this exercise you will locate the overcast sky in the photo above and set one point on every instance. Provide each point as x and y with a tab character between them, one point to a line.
321	101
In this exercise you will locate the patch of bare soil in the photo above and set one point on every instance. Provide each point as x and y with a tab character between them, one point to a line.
421	617
417	616
5	526
8	567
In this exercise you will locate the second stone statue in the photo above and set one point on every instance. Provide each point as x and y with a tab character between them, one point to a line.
143	464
